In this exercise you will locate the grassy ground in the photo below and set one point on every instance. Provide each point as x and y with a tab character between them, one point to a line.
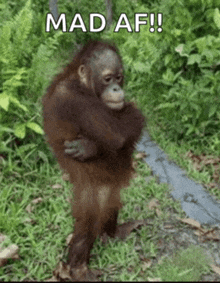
178	153
35	215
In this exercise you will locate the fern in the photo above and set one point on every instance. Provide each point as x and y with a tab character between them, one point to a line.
13	38
22	25
7	56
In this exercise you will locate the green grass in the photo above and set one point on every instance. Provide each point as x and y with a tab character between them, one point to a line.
185	265
40	230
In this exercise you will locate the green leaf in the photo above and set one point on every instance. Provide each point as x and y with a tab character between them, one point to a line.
212	110
35	127
43	156
142	67
177	75
22	24
194	106
208	54
190	130
179	49
166	105
27	147
167	59
15	101
5	129
177	32
20	131
4	101
194	58
216	17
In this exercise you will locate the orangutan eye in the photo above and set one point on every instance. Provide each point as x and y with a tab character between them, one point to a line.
108	79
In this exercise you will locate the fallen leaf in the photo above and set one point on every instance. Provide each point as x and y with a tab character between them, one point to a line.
215	268
62	272
37	200
168	226
69	238
69	199
52	279
212	235
57	186
29	208
153	279
147	264
29	220
134	164
125	229
141	155
208	234
154	203
79	273
212	185
9	252
204	161
191	222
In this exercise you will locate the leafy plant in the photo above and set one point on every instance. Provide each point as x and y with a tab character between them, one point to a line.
14	75
175	73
